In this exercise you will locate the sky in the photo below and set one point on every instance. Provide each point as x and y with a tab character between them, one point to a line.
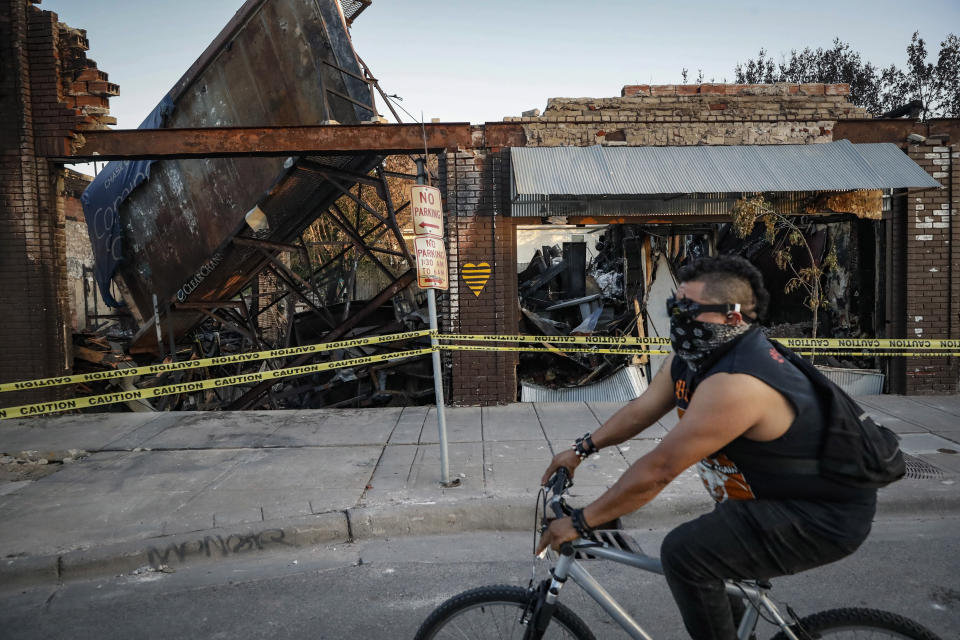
482	60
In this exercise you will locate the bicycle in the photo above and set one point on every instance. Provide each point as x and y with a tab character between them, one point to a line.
533	613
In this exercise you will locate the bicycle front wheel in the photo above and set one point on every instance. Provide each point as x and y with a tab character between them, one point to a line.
862	624
495	612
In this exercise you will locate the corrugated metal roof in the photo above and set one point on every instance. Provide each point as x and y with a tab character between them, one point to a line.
623	386
601	170
897	169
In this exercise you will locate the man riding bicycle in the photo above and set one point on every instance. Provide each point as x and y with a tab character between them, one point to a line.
739	402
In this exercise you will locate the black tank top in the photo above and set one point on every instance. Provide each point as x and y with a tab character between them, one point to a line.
726	478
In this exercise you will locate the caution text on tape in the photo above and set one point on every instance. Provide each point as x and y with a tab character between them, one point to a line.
625	340
208	362
200	385
622	352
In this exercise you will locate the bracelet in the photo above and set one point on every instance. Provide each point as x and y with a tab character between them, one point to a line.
584	447
580	524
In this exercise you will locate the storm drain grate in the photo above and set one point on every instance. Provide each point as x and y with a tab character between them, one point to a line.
921	469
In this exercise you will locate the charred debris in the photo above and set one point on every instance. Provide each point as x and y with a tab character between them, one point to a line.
562	293
347	275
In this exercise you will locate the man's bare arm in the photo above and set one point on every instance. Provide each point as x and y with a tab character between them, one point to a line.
724	407
630	420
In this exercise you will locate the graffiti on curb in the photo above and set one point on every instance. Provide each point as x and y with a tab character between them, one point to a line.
206	546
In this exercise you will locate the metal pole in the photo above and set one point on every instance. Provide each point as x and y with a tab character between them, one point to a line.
156	322
437	367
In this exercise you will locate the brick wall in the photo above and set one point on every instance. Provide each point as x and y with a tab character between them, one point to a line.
723	114
476	187
933	290
477	232
38	57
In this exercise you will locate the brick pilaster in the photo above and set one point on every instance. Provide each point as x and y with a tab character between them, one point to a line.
931	288
478	232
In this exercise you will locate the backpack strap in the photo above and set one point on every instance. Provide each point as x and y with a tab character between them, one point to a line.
777	465
765	463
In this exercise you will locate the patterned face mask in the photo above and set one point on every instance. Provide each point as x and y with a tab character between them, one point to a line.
694	340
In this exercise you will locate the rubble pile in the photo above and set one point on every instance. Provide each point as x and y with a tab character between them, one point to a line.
562	295
381	384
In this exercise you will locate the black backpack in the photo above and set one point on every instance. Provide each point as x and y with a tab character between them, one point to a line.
854	450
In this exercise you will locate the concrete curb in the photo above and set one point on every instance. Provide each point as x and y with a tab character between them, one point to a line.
919	497
514	513
174	551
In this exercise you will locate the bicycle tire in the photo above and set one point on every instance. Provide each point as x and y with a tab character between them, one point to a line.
475	609
851	622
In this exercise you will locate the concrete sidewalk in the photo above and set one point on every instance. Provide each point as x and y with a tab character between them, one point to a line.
173	488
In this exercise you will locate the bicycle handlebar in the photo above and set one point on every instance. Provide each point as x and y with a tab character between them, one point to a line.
556	487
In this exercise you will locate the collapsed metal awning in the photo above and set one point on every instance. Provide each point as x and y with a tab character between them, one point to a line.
623	386
646	171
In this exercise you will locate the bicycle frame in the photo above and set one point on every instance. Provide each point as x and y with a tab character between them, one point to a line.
568	567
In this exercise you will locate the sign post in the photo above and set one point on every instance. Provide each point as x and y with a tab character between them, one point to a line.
432	274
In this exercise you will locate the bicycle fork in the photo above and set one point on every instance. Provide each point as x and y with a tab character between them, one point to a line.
544	603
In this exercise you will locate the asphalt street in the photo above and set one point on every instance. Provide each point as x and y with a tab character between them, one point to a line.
384	588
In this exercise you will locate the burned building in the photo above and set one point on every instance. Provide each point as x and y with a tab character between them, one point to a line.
606	161
283	226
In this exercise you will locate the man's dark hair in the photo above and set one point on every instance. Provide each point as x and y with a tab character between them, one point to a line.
730	279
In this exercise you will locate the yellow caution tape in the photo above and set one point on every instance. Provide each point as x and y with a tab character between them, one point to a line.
918	348
869	343
625	340
208	362
793	343
870	354
188	387
467	347
464	347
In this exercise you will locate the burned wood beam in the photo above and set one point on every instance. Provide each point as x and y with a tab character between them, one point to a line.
222	142
573	279
546	326
545	277
250	398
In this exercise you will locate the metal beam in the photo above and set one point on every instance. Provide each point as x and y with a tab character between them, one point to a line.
267	244
220	142
212	304
250	398
344	224
323	313
351	176
392	214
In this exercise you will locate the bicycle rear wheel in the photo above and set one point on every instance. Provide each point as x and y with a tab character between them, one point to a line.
862	624
495	612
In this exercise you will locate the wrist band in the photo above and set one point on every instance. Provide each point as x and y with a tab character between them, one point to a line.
584	446
580	524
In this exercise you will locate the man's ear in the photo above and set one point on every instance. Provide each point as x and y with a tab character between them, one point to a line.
734	318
